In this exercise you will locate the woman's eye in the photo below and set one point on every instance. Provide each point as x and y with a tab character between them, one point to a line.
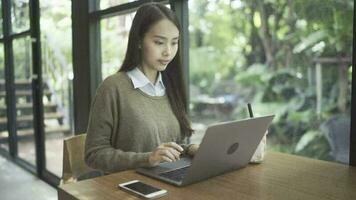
174	43
158	42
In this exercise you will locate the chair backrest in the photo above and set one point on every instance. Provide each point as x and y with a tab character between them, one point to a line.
73	158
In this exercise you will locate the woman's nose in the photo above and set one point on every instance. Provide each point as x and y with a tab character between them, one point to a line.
167	51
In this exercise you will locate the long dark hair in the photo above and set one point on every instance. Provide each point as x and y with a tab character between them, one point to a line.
146	16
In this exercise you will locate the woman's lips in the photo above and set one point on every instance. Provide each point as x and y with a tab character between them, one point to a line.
164	62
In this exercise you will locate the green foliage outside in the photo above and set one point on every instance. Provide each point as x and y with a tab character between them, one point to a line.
267	48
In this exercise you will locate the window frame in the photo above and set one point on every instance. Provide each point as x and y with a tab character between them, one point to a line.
352	154
37	91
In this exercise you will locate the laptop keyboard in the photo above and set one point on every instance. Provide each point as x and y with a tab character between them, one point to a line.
176	175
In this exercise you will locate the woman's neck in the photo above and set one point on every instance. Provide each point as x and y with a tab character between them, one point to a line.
149	73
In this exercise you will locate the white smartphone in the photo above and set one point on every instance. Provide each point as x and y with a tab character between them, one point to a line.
142	189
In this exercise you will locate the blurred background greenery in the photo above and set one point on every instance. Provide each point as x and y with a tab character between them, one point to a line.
288	58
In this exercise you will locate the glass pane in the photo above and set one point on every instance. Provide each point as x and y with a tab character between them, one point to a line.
20	17
110	3
23	91
287	59
1	34
4	134
114	38
57	79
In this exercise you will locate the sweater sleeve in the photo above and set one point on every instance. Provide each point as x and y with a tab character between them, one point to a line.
99	152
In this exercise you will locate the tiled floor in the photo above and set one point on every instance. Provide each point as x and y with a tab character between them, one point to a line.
18	184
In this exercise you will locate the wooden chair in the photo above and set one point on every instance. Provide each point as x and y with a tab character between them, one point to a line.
74	167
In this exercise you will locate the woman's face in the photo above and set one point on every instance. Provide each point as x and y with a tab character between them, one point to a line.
160	45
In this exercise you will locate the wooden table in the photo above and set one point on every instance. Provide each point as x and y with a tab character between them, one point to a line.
281	176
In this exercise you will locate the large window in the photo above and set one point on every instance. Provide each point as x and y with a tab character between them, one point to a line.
20	14
114	38
24	99
104	4
56	40
17	97
32	125
4	134
288	58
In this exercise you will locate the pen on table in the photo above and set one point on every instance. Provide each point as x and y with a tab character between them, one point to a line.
250	110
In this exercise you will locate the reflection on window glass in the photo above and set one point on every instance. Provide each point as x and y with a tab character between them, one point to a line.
20	15
288	59
114	38
4	134
110	3
24	100
57	71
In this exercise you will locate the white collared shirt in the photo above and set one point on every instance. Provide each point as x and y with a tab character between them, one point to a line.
140	81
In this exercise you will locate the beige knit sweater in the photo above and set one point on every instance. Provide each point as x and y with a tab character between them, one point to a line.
126	124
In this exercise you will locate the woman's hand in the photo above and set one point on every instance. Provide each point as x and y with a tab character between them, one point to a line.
168	152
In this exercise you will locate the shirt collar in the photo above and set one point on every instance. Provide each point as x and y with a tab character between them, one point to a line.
139	79
159	80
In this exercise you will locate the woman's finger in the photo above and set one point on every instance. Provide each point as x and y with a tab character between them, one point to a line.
166	152
167	159
174	152
174	145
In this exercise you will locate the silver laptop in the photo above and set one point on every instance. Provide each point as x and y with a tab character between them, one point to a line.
225	147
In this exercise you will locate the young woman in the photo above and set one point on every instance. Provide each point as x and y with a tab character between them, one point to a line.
138	117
